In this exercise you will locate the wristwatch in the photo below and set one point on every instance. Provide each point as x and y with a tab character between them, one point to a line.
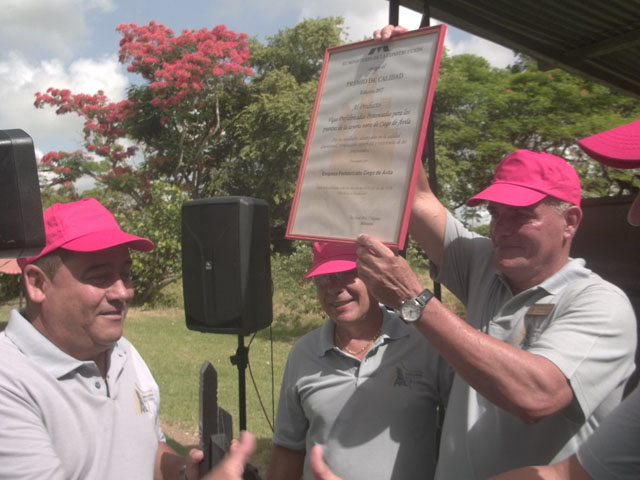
410	310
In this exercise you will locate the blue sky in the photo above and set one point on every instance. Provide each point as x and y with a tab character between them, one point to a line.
73	44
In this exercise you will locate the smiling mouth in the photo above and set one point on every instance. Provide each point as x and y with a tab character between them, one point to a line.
506	247
341	303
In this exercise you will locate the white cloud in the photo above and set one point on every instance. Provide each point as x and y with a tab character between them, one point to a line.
362	17
260	9
497	55
46	26
20	80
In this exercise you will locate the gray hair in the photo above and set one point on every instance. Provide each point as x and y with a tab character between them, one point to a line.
560	206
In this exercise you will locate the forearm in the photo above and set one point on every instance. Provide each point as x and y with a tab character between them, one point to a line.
428	219
527	385
286	464
569	469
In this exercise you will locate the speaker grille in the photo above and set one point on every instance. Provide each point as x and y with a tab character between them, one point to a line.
226	271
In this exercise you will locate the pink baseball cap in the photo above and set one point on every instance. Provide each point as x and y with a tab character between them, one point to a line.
618	147
523	178
332	258
83	226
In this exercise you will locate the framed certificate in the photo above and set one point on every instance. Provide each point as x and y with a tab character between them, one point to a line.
365	139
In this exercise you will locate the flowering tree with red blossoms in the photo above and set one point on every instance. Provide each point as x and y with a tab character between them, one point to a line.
169	126
158	147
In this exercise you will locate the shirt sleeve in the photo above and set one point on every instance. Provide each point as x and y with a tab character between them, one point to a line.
464	259
592	340
291	423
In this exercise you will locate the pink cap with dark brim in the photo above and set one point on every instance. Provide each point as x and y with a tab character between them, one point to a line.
83	226
332	258
523	178
618	147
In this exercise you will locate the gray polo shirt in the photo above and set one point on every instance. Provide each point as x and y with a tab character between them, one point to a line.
613	451
583	324
375	418
61	420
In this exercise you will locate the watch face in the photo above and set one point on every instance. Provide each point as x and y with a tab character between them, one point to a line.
410	311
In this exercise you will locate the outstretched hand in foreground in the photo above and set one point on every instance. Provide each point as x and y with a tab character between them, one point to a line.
231	467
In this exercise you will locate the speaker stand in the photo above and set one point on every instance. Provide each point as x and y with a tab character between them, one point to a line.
241	359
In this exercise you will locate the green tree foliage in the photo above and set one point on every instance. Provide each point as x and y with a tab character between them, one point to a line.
300	49
152	271
266	136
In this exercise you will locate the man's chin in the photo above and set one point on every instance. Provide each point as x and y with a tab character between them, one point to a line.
507	264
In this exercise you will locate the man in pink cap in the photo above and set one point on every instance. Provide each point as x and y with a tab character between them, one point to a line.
365	386
547	345
613	451
76	399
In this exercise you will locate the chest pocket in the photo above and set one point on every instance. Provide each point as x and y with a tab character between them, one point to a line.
536	321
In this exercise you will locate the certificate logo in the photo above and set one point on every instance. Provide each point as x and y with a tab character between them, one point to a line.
380	49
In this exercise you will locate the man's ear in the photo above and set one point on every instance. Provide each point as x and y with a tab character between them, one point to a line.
572	216
34	283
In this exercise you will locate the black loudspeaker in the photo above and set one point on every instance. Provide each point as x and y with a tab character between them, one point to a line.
226	267
21	225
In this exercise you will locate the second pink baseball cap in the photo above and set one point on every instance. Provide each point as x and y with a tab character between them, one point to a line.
332	258
83	226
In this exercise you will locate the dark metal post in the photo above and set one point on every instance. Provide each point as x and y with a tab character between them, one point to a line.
240	360
429	154
394	12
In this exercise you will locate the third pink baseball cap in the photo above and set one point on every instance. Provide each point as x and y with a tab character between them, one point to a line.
524	177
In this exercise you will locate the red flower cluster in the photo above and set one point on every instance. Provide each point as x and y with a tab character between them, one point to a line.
180	68
184	74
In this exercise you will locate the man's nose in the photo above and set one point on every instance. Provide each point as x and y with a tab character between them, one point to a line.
120	290
502	225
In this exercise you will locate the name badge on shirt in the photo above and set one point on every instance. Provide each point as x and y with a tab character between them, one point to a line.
540	309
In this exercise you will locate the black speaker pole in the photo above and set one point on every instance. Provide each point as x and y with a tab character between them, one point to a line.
240	359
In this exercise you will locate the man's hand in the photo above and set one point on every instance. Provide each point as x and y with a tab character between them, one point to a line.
386	274
389	31
232	465
320	469
193	459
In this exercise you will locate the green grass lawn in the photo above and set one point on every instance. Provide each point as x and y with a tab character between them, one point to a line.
175	355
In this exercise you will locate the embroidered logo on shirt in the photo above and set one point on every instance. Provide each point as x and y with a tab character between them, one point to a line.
143	400
403	377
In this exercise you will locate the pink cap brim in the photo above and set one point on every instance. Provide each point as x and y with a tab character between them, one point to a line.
93	242
618	147
332	265
106	239
508	194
